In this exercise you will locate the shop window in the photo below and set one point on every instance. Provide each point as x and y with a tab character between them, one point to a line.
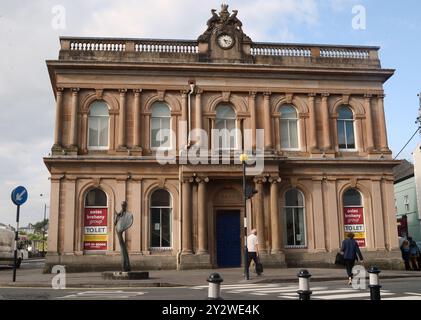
160	219
95	221
354	216
294	219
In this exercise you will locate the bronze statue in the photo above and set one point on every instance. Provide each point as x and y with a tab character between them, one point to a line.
123	221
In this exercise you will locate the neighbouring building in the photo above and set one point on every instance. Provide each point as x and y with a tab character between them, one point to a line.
327	166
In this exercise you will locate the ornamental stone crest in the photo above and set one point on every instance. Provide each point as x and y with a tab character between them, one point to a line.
224	22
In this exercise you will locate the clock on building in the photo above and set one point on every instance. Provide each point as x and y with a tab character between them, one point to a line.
225	41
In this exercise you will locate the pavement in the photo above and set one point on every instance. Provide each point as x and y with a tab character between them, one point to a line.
35	278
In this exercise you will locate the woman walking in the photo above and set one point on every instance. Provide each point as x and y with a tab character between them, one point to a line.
405	254
351	252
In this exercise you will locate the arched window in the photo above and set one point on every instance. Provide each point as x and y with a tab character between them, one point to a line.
160	126
225	124
161	212
295	232
352	198
289	127
346	136
95	221
96	198
354	215
98	126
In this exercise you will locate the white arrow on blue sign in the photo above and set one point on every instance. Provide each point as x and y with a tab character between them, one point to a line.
19	195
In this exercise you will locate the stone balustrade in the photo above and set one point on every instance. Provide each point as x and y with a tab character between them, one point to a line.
111	49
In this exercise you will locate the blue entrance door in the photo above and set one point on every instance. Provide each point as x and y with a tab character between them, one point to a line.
228	242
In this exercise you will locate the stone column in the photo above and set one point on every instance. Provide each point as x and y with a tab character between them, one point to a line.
260	218
202	216
327	145
378	221
369	122
85	129
382	123
267	121
53	231
252	107
199	115
359	139
187	216
274	214
136	119
184	119
238	135
147	133
69	216
59	116
122	120
313	122
318	216
73	121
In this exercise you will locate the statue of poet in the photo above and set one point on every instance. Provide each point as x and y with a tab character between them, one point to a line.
123	220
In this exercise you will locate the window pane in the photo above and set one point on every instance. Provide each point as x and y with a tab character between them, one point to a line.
155	123
288	112
294	198
160	109
93	132
350	138
289	219
103	133
96	198
345	113
341	134
293	132
166	227
299	227
160	198
155	228
165	133
98	108
352	198
284	135
225	112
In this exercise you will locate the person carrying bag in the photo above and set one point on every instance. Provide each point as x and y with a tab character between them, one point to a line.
351	252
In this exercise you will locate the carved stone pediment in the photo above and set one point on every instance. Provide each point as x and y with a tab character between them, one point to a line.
224	22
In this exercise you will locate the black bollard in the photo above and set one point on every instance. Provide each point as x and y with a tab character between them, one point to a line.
304	292
374	284
214	292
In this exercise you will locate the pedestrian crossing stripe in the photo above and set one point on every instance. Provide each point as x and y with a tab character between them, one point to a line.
319	293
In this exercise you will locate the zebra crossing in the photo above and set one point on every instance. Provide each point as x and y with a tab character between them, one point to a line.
289	292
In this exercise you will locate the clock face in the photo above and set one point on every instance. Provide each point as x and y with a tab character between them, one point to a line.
225	41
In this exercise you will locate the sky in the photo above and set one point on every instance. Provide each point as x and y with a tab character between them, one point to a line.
30	31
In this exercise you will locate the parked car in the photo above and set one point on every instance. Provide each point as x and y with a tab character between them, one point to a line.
7	247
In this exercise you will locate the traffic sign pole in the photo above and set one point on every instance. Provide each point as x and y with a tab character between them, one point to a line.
16	243
19	197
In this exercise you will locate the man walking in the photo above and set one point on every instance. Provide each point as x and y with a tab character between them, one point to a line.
252	251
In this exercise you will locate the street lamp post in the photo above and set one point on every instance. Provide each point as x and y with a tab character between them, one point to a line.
243	159
43	227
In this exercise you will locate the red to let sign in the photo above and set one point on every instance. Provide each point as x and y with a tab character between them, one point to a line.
354	222
95	229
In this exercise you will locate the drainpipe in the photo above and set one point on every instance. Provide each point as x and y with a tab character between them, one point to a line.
180	223
192	87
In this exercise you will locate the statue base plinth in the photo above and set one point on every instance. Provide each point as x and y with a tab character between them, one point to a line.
131	275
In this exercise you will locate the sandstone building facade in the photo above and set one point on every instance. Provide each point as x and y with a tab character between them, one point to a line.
327	165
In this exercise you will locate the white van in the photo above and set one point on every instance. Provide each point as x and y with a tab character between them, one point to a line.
7	247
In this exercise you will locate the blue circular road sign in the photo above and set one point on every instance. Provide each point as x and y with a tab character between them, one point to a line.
19	195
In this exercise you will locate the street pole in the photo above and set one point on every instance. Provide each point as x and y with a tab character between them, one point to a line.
43	230
243	159
16	243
